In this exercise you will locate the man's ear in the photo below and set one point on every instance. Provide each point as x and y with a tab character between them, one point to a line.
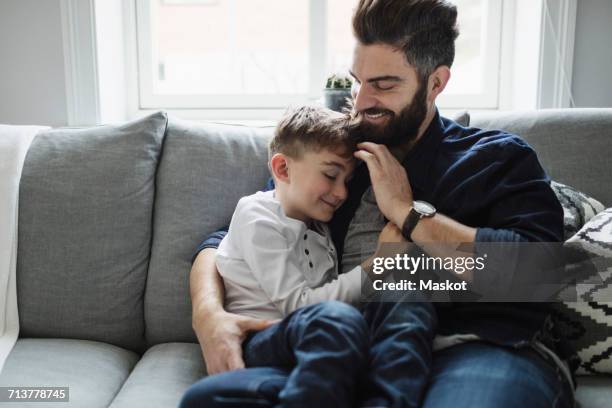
437	82
279	166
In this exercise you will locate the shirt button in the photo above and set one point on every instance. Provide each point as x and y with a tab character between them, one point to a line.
307	251
310	263
305	236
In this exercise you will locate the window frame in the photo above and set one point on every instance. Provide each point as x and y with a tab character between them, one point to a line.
491	33
271	106
149	100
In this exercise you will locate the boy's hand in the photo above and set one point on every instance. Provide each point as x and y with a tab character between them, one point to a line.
390	233
221	336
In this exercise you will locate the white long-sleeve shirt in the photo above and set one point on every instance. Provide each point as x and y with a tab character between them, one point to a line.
272	264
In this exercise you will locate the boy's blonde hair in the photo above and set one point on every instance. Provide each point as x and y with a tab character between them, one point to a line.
311	128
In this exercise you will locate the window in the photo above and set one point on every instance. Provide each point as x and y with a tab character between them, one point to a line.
475	72
267	54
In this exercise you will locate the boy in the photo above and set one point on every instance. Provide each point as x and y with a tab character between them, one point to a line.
278	262
278	254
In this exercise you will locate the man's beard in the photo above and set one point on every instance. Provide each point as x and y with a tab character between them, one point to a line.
399	129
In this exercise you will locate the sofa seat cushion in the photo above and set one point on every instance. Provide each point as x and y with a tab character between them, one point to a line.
93	371
594	392
162	376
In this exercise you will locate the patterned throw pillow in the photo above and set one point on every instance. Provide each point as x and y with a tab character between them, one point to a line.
578	208
587	324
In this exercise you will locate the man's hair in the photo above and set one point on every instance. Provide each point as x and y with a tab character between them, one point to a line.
311	128
425	30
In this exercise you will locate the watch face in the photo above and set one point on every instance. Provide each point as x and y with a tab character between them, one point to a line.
424	208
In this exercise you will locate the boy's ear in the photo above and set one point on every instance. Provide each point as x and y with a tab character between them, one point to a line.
279	166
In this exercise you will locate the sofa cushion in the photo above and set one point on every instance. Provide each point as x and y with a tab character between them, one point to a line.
205	169
587	324
85	214
94	372
578	208
573	145
462	118
162	376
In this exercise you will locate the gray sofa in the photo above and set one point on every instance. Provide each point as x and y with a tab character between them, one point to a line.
110	216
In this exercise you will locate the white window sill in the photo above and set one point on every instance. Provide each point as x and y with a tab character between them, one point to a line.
251	120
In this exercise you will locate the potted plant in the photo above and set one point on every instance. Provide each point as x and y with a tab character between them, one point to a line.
337	92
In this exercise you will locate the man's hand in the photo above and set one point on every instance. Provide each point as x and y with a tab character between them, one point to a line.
389	181
221	335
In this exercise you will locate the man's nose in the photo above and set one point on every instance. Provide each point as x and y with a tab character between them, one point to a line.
362	98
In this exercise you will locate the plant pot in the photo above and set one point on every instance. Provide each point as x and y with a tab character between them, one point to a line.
336	99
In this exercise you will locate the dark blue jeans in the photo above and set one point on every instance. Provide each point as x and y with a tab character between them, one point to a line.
468	375
330	355
479	374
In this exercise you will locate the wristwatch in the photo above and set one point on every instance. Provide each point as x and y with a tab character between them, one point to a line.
420	209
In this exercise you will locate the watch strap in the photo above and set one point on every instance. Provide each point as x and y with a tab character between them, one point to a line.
411	221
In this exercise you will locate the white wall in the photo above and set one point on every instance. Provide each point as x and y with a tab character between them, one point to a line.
32	79
592	73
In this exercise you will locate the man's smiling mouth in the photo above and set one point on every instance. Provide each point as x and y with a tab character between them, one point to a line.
376	115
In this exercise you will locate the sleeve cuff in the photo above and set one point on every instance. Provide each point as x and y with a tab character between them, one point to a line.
497	235
212	241
353	280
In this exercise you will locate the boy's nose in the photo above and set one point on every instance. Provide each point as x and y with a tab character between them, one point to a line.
340	192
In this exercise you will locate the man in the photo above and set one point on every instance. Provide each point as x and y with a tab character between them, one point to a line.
439	182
